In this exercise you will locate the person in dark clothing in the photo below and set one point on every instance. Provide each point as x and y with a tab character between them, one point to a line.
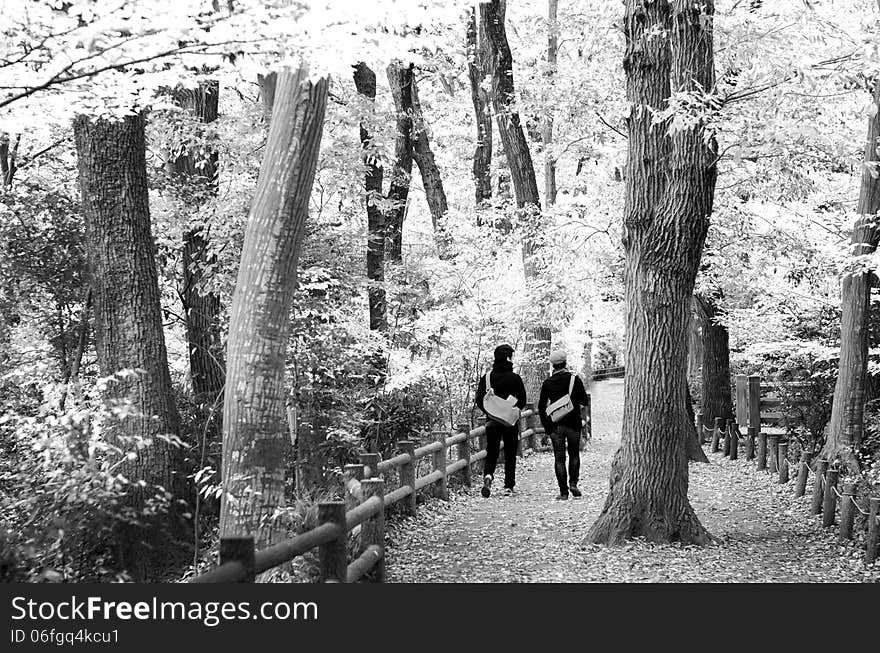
566	433
505	383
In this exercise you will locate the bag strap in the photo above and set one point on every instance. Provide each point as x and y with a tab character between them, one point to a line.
571	384
488	382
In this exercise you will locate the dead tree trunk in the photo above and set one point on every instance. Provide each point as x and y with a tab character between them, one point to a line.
254	416
846	427
365	82
478	63
665	224
522	172
128	315
717	401
400	79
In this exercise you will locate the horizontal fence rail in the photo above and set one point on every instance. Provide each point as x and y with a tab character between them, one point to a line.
363	511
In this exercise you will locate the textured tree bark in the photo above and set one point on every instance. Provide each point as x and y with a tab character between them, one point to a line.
128	316
365	82
547	129
478	62
665	224
254	415
431	179
846	426
537	346
400	79
201	307
267	83
717	401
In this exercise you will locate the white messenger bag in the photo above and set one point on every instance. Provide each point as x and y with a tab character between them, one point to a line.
500	410
562	406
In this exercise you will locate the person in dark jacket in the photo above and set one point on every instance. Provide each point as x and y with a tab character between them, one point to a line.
566	433
505	383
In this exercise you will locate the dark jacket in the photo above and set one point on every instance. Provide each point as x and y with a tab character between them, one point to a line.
505	382
554	388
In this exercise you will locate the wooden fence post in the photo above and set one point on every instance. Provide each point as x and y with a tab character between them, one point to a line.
725	449
369	461
755	423
531	421
800	486
783	462
520	427
873	531
373	530
741	383
481	439
352	475
716	434
407	473
441	490
699	420
847	514
333	555
241	550
733	429
588	419
773	453
821	467
464	452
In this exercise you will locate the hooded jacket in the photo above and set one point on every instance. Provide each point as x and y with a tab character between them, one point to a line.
505	382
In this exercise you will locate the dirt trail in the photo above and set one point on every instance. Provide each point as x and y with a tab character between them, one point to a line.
764	534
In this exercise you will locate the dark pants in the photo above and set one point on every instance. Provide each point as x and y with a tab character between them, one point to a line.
564	437
495	433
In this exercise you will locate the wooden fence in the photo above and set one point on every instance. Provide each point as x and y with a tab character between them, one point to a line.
609	373
752	411
363	511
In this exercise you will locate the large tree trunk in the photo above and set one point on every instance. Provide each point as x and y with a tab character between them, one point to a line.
254	417
846	427
201	306
365	82
478	62
125	286
547	130
537	346
400	79
665	225
716	397
128	324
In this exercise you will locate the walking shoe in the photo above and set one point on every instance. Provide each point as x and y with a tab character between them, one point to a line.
487	483
574	491
563	496
508	491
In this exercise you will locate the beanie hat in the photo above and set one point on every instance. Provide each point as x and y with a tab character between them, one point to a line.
557	357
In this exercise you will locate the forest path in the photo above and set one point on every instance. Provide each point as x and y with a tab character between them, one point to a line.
765	535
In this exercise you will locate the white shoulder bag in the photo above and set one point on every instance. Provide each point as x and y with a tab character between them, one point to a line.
499	409
562	406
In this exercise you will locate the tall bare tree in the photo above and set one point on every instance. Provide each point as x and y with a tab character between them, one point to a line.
365	82
254	416
478	69
522	172
547	127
